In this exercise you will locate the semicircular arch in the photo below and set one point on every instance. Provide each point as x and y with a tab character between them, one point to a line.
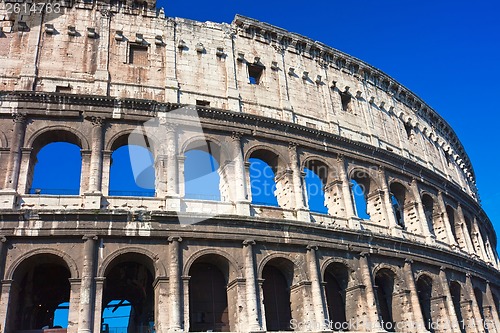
56	133
235	268
66	258
159	268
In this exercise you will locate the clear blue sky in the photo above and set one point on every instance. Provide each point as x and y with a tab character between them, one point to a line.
447	52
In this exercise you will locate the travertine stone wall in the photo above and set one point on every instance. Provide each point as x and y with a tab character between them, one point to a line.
313	107
187	61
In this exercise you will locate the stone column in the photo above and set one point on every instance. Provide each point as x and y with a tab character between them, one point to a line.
6	312
318	303
175	301
171	161
15	151
370	302
96	155
26	170
242	203
102	75
250	288
74	297
494	311
298	186
262	307
185	289
476	314
99	289
391	217
466	232
346	188
160	175
451	239
3	255
415	303
106	165
233	95
479	240
452	316
161	302
86	155
180	165
85	319
426	229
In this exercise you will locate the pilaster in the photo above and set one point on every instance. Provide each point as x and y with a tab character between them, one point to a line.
175	288
85	318
253	323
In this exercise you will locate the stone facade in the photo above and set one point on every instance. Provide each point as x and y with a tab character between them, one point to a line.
259	91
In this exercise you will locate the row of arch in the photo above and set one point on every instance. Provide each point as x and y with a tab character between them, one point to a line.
207	172
41	297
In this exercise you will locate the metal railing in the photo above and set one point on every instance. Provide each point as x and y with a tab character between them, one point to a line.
54	191
119	193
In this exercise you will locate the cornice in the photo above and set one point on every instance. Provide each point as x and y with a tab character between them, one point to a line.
264	32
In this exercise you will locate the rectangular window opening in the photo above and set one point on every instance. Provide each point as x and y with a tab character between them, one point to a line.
202	103
254	73
138	55
63	89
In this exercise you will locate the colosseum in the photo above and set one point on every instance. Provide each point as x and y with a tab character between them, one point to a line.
422	258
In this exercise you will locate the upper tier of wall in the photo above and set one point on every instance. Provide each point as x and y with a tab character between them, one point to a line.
89	50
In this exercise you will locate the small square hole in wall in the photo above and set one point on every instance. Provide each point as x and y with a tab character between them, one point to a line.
202	103
63	89
138	55
255	73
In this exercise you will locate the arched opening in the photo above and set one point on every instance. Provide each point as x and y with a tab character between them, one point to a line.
202	179
61	315
117	316
55	164
360	188
316	178
208	299
132	172
457	227
263	175
424	291
315	192
456	297
398	194
336	282
128	291
384	285
277	275
42	282
428	205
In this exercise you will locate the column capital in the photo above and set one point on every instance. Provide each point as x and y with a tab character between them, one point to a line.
312	247
364	254
3	239
174	239
248	242
96	121
408	261
236	136
19	117
292	145
443	269
90	237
